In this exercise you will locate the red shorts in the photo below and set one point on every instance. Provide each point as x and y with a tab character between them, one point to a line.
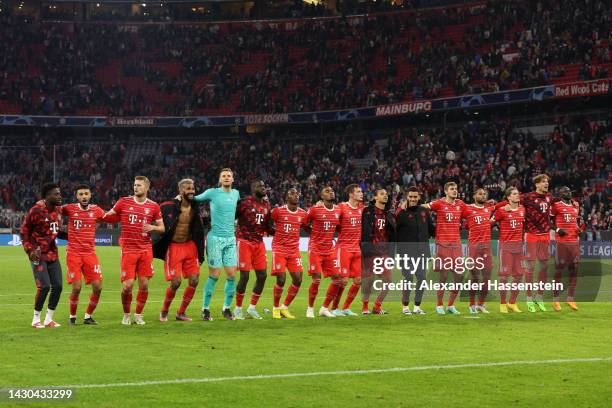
537	247
448	257
136	264
282	262
567	253
511	259
252	256
350	263
482	256
327	264
83	265
181	260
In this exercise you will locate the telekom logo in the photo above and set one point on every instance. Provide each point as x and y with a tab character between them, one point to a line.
287	227
77	224
478	219
381	223
513	224
326	225
259	218
353	221
449	217
53	227
132	218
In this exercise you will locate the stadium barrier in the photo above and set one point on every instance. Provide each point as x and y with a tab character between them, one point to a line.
537	94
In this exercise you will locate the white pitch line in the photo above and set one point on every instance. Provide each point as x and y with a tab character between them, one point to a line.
326	373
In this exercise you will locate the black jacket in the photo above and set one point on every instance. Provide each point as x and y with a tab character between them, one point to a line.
367	233
414	228
170	213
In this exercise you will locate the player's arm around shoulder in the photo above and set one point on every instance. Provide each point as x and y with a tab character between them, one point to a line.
207	195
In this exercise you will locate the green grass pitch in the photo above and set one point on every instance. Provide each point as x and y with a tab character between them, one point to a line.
440	360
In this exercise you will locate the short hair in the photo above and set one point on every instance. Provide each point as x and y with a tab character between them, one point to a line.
413	189
376	190
287	192
226	169
185	181
351	188
47	187
509	191
324	187
82	187
540	178
144	180
449	184
255	182
477	189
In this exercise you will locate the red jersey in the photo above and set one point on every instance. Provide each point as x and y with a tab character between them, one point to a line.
39	230
510	224
133	216
448	220
478	223
349	236
566	218
81	227
324	224
286	240
537	211
253	219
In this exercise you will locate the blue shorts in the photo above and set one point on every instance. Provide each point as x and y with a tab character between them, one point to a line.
221	251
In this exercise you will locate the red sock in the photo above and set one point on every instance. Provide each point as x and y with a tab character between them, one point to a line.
377	305
558	277
352	293
255	298
93	302
573	280
278	292
543	277
313	290
187	296
74	302
332	291
365	305
452	297
338	297
472	297
440	295
167	300
141	300
239	299
293	290
126	300
502	293
529	279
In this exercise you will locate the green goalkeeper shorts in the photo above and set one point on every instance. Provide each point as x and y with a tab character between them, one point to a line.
221	251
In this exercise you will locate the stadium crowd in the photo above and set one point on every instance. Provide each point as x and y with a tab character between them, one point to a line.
46	68
576	153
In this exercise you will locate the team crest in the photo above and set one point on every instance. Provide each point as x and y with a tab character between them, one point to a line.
91	214
147	211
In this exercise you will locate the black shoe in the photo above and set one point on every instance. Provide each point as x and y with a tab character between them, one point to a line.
90	320
227	314
72	321
206	315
